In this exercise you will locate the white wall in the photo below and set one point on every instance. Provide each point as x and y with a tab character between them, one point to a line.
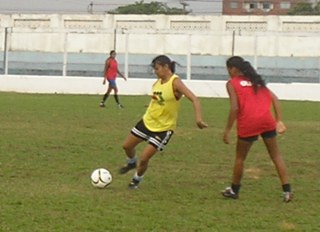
150	34
93	85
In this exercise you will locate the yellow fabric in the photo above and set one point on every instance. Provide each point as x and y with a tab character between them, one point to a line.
162	112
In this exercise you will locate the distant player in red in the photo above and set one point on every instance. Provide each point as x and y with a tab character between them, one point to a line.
251	103
110	74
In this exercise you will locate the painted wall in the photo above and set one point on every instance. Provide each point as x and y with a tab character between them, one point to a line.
82	85
288	36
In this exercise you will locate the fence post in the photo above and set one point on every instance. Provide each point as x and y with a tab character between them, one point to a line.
115	39
319	69
233	42
126	56
189	58
255	61
65	55
5	54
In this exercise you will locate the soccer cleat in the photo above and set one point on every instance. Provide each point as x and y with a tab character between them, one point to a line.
127	168
287	197
120	106
102	104
228	193
133	184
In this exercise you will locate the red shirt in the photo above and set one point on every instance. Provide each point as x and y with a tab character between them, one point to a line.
111	72
254	116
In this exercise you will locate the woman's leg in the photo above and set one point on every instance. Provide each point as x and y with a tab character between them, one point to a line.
273	150
106	95
116	97
129	147
146	155
242	151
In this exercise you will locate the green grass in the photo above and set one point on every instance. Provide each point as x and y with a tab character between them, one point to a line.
50	144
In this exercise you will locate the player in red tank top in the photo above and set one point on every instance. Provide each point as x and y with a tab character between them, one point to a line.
111	70
251	102
110	74
254	116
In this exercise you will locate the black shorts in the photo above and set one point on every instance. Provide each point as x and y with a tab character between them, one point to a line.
265	135
157	139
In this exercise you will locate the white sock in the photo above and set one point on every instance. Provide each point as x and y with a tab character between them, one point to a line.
137	178
132	160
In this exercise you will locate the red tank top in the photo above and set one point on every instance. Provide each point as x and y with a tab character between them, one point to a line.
254	116
111	73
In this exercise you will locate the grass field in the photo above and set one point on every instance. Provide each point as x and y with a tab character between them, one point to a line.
50	144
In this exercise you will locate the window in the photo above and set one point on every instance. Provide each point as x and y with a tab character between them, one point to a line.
253	5
250	6
233	5
266	6
285	5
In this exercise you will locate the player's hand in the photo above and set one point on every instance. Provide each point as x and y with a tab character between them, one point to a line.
201	124
226	137
281	128
104	81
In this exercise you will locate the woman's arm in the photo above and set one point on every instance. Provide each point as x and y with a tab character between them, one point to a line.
280	127
179	90
233	112
120	74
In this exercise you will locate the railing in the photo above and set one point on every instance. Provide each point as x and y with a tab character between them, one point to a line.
279	57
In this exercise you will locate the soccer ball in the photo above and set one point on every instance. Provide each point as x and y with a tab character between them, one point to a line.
101	178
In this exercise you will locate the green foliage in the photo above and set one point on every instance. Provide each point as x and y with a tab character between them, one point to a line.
50	144
148	8
316	9
305	8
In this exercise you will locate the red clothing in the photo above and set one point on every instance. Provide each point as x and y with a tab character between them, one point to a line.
111	72
254	116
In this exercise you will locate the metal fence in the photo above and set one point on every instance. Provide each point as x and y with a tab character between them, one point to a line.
70	61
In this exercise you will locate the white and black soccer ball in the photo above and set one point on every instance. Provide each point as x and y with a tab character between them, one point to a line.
101	178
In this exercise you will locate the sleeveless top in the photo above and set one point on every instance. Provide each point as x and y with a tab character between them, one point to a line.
162	113
254	116
111	73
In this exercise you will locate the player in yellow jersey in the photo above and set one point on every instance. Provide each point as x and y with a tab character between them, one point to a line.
159	121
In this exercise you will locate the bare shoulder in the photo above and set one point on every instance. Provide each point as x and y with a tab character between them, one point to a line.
180	88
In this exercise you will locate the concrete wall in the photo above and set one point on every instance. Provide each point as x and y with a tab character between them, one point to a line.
82	85
267	37
152	34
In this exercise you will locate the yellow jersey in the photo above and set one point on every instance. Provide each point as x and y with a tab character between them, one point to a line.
162	113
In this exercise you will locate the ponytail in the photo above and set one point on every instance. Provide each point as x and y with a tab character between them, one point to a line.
247	70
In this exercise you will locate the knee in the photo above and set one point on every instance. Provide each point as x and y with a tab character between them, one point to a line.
125	147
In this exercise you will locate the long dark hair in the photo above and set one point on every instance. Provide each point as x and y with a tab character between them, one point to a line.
247	70
163	60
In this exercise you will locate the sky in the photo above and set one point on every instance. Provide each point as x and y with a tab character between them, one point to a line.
198	7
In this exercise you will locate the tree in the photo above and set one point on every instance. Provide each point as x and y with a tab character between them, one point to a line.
317	8
148	8
305	8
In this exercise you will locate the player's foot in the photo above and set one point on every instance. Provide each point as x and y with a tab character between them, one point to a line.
127	168
134	184
228	193
120	106
287	196
102	104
